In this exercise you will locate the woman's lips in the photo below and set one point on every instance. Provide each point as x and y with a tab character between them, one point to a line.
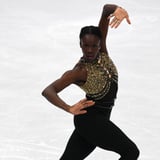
90	57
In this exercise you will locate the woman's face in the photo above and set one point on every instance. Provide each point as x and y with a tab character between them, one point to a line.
90	45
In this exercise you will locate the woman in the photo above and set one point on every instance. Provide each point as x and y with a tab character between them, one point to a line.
96	74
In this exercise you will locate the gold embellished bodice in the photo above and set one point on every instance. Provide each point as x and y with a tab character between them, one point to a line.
100	74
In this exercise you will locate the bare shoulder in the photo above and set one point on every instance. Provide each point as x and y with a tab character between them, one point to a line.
80	72
74	75
79	67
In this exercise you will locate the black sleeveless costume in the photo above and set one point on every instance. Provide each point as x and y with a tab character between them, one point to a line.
95	129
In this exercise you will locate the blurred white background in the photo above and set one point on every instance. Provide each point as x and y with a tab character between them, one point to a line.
39	42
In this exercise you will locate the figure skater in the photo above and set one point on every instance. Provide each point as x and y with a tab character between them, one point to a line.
96	74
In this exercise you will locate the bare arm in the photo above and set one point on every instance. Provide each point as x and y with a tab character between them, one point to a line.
104	24
117	14
51	94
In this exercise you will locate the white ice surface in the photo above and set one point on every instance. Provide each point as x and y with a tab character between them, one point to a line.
39	41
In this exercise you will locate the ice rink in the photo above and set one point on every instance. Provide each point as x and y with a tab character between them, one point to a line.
39	42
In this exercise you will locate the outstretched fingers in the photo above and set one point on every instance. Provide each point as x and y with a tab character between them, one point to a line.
118	16
115	22
128	20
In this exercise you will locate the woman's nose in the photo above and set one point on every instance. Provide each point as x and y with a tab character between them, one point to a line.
89	49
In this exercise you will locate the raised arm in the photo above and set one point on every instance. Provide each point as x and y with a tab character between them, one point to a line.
117	14
104	23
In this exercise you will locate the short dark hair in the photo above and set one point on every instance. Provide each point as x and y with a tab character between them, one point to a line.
90	30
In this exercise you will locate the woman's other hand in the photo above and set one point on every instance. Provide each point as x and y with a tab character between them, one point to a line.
79	108
118	16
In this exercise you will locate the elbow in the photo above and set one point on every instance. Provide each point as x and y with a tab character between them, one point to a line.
109	8
45	92
106	6
48	92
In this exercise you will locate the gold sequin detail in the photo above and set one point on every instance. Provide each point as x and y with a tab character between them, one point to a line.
100	73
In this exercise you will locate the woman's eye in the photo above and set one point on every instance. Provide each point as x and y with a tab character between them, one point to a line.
86	46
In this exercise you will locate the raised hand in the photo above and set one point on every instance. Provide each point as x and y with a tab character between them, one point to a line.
79	108
118	16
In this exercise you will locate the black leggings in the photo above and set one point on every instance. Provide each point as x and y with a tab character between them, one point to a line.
95	129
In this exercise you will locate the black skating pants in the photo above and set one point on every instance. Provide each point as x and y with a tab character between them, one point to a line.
94	129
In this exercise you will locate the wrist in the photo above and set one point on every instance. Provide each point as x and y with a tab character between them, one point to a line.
109	9
70	110
67	108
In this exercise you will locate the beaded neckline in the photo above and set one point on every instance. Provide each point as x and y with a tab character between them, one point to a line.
100	73
90	62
